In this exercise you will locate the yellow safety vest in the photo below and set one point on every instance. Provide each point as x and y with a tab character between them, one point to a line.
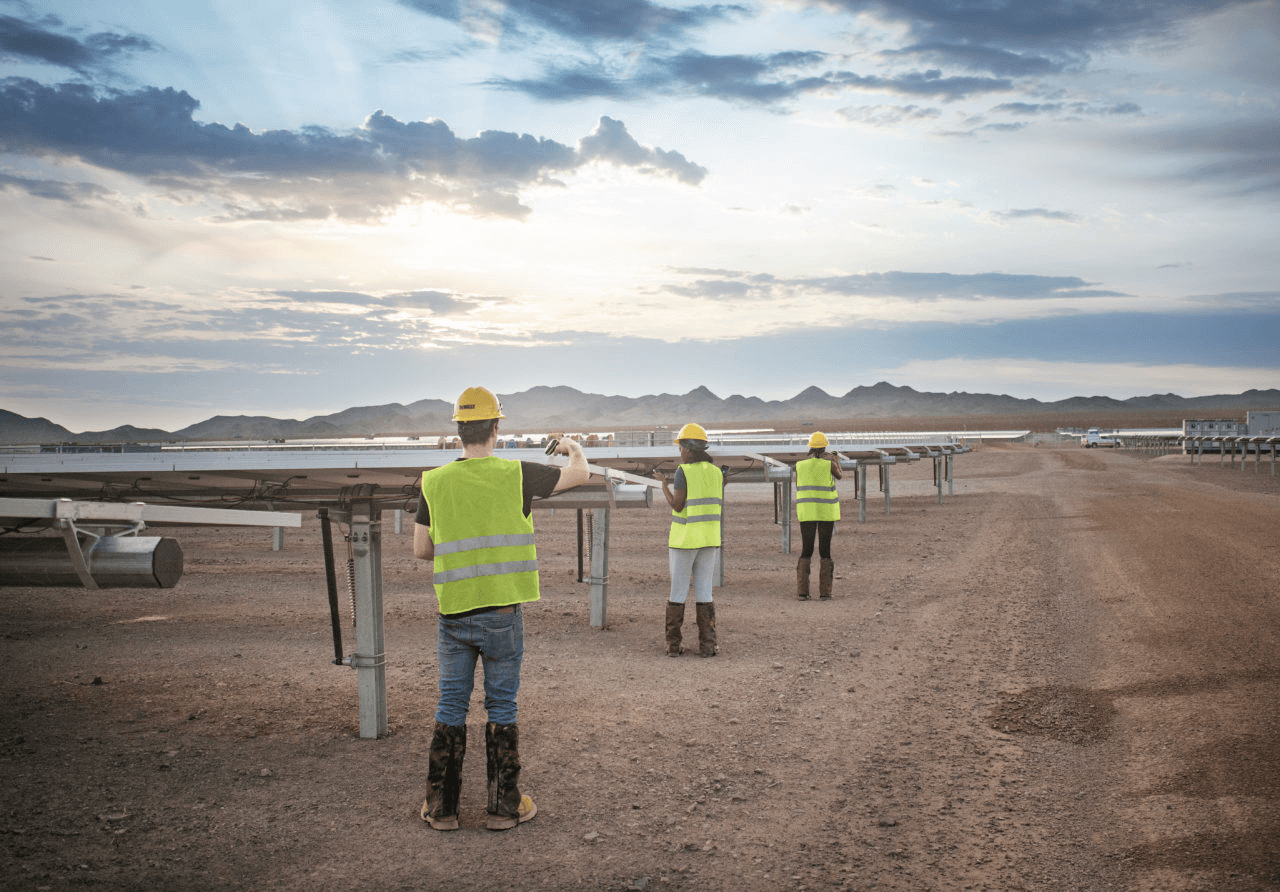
484	551
816	496
698	524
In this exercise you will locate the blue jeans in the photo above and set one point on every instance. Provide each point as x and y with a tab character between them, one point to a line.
495	638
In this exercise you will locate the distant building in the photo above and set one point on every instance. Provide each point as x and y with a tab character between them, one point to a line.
1263	424
1214	427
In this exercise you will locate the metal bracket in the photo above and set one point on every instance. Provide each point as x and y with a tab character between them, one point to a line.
358	661
79	557
67	511
774	469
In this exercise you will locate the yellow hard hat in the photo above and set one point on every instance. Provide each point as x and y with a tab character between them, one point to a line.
691	431
477	404
818	440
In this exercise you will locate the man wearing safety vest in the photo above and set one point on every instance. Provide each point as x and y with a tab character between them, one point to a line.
818	508
474	524
694	539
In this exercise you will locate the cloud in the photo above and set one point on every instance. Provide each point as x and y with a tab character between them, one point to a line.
1239	157
1033	109
989	35
1037	213
908	286
1063	379
31	43
888	115
610	142
76	194
312	172
935	286
983	58
585	21
639	49
763	80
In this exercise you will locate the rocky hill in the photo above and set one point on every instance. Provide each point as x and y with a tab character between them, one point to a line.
564	408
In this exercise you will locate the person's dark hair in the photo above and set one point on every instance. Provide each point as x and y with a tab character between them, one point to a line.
473	433
816	452
697	449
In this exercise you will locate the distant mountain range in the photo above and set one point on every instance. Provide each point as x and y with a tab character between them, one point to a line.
544	409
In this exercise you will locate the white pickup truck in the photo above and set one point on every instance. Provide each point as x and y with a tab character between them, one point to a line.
1092	438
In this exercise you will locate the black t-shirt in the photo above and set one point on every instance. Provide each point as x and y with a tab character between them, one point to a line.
539	481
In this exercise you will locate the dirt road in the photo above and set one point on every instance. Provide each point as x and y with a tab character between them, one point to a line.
1064	677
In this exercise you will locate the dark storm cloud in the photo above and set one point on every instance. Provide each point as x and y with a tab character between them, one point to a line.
31	42
312	172
581	20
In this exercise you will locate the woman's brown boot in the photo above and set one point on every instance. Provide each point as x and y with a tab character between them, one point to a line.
675	619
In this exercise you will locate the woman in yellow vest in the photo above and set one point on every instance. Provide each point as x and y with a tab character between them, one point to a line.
694	540
818	508
474	524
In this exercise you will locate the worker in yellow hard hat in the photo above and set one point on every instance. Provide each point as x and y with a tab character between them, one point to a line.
693	544
474	523
818	509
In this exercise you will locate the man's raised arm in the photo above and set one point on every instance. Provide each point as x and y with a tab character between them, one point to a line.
576	472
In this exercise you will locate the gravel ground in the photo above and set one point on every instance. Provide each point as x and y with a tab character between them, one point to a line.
1063	677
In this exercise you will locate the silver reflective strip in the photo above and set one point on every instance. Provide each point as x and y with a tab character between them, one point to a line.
816	501
703	502
477	542
500	569
697	518
820	488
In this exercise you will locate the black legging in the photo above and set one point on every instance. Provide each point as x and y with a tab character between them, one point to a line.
823	530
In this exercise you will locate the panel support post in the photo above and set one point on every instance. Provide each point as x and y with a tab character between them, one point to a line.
599	567
860	475
369	660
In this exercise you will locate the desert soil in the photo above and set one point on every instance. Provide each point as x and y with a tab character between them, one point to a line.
1062	677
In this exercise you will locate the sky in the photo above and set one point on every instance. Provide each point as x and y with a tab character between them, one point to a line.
294	207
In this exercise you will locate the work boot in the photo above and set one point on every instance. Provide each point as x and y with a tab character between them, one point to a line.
444	776
826	576
506	806
675	619
802	579
706	629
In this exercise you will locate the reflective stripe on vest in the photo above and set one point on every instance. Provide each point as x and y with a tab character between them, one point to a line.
816	495
484	546
698	524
